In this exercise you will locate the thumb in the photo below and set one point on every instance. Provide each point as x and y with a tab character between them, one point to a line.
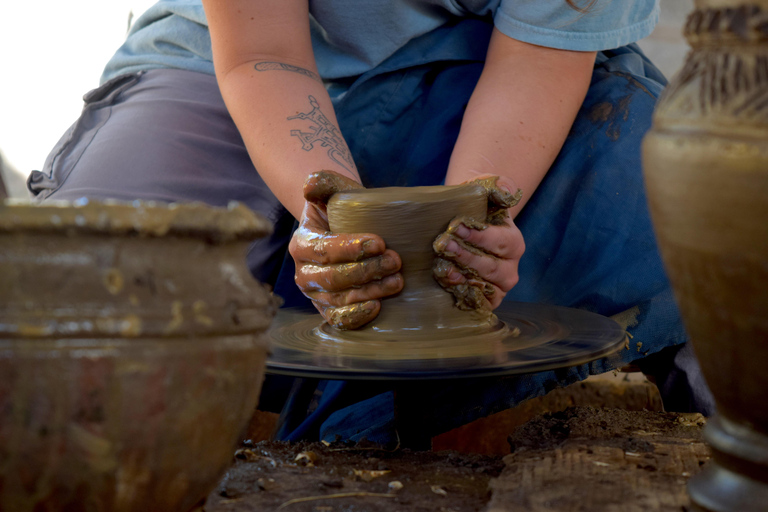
502	192
320	186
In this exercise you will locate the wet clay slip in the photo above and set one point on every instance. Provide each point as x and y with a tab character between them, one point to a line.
420	332
409	219
706	171
132	351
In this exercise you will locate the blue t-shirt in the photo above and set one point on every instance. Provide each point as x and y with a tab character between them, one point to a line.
351	37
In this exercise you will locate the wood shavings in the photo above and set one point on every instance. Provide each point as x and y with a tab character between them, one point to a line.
439	490
366	475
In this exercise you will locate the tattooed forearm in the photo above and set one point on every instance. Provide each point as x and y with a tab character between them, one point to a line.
324	133
281	66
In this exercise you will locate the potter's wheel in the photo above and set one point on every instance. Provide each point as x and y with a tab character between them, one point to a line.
530	338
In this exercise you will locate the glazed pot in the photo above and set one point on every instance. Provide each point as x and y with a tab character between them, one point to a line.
409	219
132	352
706	171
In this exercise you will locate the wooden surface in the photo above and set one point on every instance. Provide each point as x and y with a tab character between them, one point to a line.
629	391
583	459
602	461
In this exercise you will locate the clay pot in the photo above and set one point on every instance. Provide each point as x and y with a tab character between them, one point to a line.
132	352
409	219
706	169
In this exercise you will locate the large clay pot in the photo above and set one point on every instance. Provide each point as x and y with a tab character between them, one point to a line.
706	169
131	353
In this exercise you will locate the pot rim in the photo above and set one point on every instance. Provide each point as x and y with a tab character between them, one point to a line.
141	218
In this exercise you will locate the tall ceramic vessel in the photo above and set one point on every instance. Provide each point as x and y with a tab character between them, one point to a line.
132	350
706	170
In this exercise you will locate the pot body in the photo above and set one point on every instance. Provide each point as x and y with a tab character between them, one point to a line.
131	356
409	219
706	172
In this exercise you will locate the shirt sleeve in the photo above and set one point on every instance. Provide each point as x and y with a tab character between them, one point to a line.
605	25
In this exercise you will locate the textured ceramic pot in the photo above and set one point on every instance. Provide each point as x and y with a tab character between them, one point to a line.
131	353
409	219
706	169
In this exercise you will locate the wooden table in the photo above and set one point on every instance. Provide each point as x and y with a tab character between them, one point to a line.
579	459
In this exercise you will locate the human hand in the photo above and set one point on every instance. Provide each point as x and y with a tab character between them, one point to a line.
344	275
478	258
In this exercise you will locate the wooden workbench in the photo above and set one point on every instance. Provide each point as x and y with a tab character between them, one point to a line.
579	459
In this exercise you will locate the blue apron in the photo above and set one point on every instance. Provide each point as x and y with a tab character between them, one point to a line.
589	239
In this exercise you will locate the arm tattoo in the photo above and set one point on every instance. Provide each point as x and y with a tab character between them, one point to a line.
281	66
324	133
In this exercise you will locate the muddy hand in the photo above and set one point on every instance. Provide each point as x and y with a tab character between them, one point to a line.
478	258
344	275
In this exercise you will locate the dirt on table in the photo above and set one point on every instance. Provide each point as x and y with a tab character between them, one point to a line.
272	475
600	460
558	462
628	430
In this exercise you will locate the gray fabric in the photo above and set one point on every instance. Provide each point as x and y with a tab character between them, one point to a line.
162	135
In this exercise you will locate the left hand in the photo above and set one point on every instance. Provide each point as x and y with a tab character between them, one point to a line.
478	258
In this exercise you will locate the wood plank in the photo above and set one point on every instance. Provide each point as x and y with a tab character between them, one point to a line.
601	461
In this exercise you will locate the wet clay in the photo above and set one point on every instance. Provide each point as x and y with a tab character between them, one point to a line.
472	294
434	337
132	350
409	220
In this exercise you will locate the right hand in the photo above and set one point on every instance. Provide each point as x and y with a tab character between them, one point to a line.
344	275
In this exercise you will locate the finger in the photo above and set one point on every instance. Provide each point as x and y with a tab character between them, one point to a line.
320	186
501	190
505	241
352	316
451	278
501	197
460	277
447	274
468	297
504	193
498	271
329	248
341	276
496	297
374	290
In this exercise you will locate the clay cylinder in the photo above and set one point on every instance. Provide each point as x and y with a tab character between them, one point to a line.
409	219
132	350
706	171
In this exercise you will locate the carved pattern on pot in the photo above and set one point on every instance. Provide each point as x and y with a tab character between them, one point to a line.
718	80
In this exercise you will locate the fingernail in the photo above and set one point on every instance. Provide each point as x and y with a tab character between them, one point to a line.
390	263
462	231
452	248
392	280
506	184
440	242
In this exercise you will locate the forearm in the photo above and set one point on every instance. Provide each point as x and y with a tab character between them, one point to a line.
288	126
520	113
265	67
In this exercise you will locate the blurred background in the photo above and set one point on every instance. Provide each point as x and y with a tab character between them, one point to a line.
52	55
